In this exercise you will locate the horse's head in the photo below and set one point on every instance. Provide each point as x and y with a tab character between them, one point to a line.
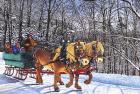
33	42
79	48
80	53
98	51
30	43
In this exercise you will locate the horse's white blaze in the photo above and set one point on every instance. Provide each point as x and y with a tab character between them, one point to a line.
85	61
99	60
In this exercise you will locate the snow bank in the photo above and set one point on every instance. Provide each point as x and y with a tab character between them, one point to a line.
117	79
114	79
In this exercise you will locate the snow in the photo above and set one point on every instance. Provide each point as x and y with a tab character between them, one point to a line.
117	79
101	84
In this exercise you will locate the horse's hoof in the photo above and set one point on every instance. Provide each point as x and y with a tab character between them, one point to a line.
39	83
87	82
68	85
78	87
61	83
56	89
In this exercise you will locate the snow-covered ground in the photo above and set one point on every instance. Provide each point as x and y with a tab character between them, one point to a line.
101	84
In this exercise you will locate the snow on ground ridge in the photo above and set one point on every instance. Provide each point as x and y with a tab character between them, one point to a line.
114	79
117	79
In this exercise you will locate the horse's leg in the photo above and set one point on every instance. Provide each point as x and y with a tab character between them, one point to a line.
60	81
38	74
89	79
56	79
71	80
76	81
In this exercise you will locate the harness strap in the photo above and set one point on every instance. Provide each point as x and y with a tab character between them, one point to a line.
95	51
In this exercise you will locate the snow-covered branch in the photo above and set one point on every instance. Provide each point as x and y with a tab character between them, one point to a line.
132	8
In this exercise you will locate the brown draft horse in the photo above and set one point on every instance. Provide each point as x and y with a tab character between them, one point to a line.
43	58
93	51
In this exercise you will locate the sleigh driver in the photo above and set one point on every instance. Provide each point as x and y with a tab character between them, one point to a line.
63	52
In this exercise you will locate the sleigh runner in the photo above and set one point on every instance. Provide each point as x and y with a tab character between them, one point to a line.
18	64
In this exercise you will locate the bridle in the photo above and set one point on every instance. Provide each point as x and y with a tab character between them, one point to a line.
79	50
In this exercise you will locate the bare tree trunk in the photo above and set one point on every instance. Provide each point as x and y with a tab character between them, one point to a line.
9	15
29	7
48	20
135	32
126	47
41	17
5	21
106	65
21	19
64	33
81	22
120	27
110	30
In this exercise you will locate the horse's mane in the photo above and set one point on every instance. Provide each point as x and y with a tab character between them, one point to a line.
97	44
70	51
